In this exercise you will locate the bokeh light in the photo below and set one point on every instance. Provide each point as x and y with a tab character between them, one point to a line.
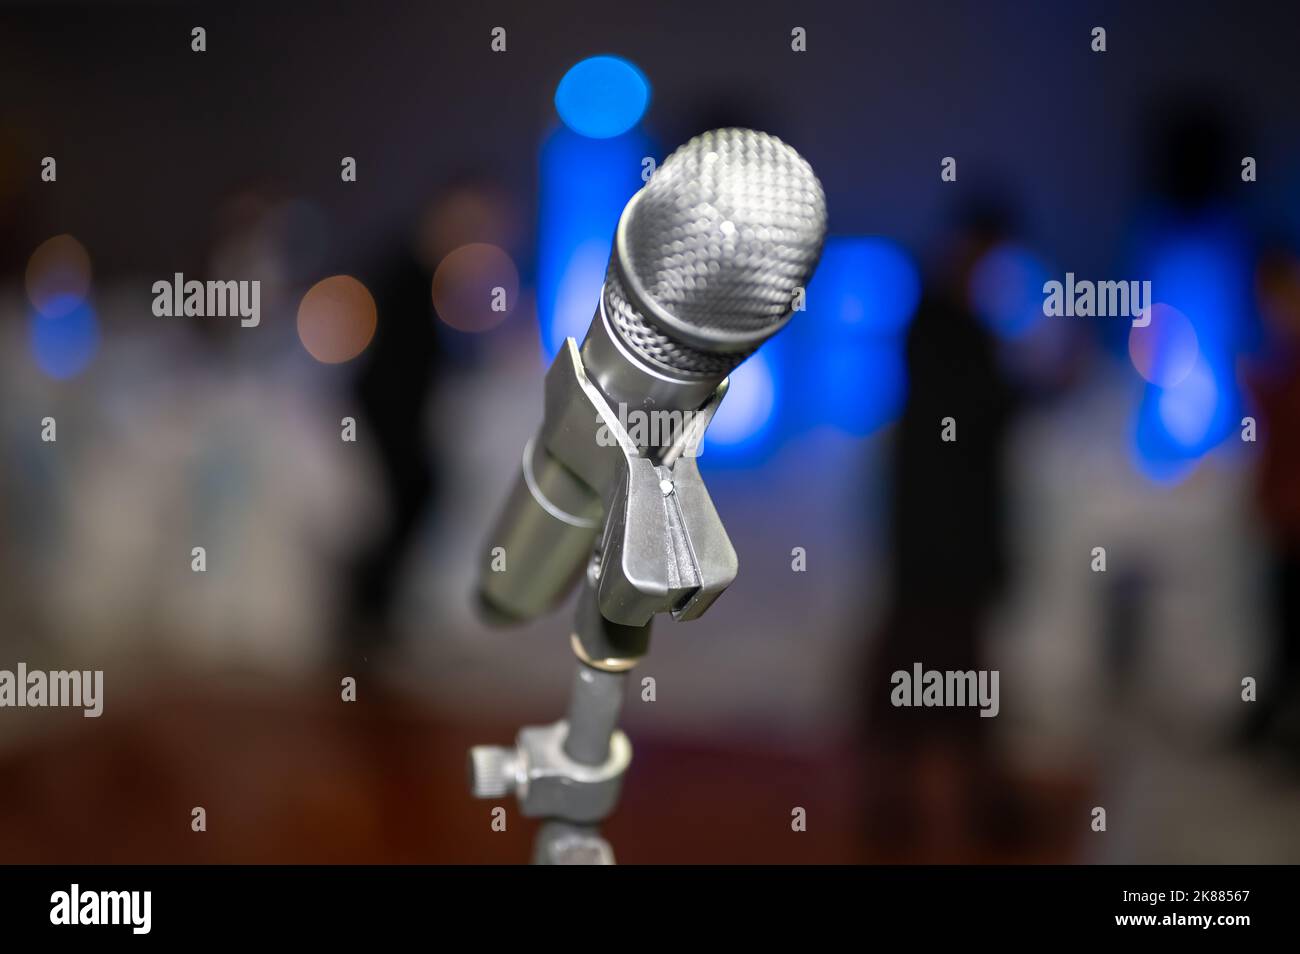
577	292
1177	426
844	358
58	276
1006	290
336	319
868	381
475	287
865	284
1164	351
64	342
1201	268
1188	410
583	185
747	408
475	210
602	97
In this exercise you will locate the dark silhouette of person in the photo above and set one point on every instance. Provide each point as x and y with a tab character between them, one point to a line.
394	388
1275	716
948	552
392	391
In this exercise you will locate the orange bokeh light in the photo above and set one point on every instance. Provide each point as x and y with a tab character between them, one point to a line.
336	319
475	287
58	276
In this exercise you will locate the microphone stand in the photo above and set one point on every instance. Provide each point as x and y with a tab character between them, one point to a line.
662	548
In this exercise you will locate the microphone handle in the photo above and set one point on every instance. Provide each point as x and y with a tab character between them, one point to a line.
542	540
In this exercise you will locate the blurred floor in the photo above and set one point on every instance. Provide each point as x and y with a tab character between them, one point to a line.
1177	800
288	776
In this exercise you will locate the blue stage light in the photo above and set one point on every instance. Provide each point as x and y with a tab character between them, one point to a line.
864	286
1203	270
844	357
1187	410
864	385
602	97
746	411
583	185
1006	290
64	344
1177	426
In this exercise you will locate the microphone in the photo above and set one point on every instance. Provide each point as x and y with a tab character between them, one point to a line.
708	258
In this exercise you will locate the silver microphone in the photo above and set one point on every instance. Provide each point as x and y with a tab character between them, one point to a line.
707	259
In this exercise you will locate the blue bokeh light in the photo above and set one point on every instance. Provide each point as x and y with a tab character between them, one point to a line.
844	358
602	97
1006	290
866	383
863	286
583	185
746	411
1201	268
1187	411
64	341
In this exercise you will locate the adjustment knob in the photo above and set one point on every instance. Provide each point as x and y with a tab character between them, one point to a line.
491	771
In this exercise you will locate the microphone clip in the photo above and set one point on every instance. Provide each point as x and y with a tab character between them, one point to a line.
664	548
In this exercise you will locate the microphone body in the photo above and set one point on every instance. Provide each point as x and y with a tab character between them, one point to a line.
707	258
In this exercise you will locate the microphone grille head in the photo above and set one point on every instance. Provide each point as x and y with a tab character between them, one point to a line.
711	251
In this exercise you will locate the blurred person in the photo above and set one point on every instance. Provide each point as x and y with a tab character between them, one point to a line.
1275	384
949	563
1194	238
395	390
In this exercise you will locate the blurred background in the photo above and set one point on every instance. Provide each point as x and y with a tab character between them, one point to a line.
479	169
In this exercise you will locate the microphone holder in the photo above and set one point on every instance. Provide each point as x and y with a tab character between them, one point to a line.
662	549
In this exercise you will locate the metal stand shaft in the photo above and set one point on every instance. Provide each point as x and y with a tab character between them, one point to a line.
571	772
594	706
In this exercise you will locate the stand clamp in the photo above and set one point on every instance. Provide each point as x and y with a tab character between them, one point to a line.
546	780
